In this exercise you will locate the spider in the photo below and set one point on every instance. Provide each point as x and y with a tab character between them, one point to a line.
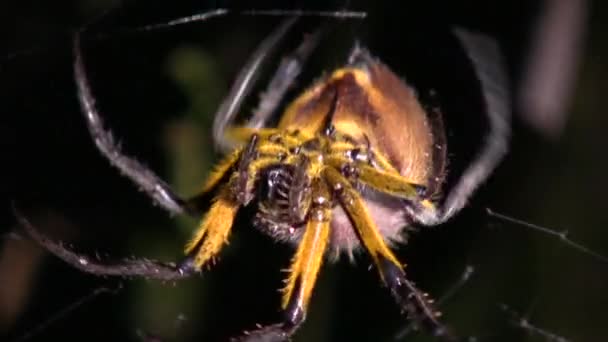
352	162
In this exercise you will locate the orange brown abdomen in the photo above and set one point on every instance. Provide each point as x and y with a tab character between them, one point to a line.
374	107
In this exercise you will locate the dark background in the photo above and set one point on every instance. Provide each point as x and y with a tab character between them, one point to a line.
158	90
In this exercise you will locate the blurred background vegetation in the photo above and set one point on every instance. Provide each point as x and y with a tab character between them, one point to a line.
158	90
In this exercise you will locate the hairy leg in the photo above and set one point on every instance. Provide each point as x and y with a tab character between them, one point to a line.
486	59
241	87
411	300
289	69
149	269
303	272
144	178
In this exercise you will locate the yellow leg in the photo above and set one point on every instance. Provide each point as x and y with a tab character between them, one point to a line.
384	164
357	211
270	149
341	147
214	230
387	182
243	134
221	169
378	159
308	259
307	262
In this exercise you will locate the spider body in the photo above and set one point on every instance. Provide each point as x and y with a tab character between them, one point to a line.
333	148
340	123
353	162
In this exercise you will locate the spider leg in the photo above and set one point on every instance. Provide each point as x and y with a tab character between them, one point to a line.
289	69
147	181
308	259
303	272
389	182
216	225
360	217
261	151
213	231
451	291
407	296
243	84
416	303
145	268
266	155
486	58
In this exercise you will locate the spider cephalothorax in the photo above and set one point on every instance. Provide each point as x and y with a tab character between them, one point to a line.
352	163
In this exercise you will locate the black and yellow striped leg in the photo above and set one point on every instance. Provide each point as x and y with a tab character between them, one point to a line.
216	225
242	188
408	297
213	231
257	154
360	217
386	181
414	302
303	272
